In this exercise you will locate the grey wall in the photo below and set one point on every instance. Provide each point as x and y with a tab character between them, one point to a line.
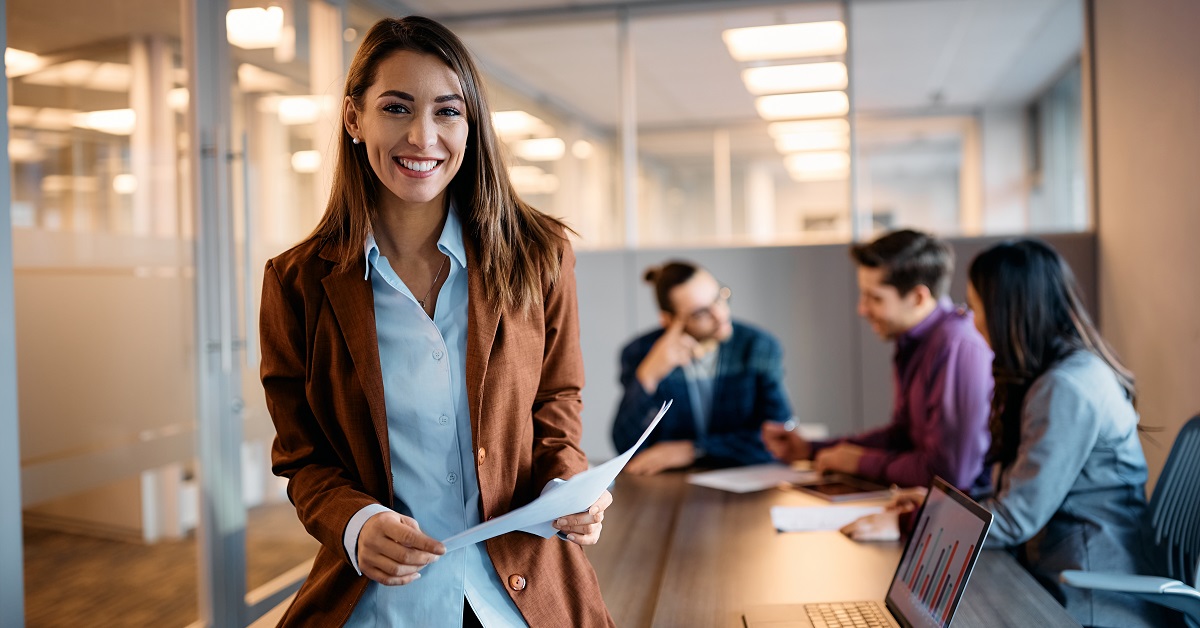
838	371
1147	95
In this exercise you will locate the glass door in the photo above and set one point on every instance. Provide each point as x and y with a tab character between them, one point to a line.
104	299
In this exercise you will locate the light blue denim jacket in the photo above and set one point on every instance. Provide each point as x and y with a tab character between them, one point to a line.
1074	497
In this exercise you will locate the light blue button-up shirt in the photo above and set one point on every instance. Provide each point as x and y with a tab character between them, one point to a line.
433	464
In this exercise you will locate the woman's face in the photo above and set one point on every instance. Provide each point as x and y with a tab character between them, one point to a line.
976	306
413	127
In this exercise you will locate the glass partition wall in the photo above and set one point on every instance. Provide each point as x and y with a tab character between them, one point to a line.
143	210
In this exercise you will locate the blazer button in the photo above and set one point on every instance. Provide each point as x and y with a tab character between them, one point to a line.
516	582
480	456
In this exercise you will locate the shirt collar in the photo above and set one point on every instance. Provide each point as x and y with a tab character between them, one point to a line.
450	242
944	307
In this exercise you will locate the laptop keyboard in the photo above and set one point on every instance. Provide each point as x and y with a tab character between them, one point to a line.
846	614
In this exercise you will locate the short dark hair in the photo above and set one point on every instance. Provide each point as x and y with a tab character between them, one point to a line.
665	277
909	259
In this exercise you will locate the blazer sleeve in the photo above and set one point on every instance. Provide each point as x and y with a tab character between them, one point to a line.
637	407
558	404
321	488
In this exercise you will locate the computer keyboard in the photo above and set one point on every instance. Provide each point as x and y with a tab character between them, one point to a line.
846	615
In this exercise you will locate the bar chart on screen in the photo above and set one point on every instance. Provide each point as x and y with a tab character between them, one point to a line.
937	562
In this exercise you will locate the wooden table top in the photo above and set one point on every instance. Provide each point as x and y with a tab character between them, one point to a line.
674	554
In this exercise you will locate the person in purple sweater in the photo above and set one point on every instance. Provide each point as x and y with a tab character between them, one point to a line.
942	371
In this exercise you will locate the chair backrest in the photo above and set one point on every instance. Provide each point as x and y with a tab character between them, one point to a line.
1175	506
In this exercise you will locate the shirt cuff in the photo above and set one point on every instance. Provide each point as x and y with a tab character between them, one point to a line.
350	538
873	463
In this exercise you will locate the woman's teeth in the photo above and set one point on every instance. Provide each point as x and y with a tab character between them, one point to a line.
419	166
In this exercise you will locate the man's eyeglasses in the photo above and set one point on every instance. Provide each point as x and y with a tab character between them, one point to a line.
705	314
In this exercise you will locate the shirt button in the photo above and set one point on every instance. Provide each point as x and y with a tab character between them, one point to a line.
437	354
452	478
480	456
516	582
442	420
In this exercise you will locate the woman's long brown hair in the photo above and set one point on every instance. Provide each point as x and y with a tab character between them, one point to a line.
516	245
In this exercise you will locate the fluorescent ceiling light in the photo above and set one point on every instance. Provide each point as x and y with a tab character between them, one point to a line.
833	125
810	105
124	184
109	77
798	142
542	149
801	77
254	27
516	123
299	110
24	150
306	161
821	166
19	63
581	149
114	121
786	41
177	99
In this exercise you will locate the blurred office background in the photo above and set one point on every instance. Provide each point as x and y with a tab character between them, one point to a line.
160	152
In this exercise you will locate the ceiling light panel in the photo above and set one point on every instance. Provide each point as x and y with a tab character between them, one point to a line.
786	41
802	77
810	105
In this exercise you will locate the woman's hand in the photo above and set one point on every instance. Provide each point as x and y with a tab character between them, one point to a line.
885	526
392	550
584	528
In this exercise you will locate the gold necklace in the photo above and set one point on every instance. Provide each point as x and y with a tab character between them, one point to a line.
422	300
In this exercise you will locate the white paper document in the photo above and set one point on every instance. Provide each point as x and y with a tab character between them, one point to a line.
818	518
567	498
753	478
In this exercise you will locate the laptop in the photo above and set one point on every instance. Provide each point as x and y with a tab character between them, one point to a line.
928	583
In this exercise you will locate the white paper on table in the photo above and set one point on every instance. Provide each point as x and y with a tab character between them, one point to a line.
818	518
566	498
752	478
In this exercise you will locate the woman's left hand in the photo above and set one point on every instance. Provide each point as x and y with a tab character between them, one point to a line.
584	528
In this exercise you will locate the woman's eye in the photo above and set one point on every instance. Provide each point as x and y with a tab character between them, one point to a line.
395	108
450	111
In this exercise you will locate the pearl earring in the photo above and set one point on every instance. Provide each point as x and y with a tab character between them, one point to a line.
355	140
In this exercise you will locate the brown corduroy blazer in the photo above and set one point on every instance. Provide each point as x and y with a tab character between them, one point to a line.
324	389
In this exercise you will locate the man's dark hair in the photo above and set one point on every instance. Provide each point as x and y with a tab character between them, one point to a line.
666	277
909	259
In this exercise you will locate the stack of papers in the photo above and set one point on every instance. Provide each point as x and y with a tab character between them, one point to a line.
567	498
753	478
818	518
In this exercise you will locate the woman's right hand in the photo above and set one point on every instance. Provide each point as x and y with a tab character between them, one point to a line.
885	526
392	550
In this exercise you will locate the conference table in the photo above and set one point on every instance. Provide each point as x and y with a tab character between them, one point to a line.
676	554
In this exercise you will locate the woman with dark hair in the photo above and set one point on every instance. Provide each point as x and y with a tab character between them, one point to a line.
1070	490
421	362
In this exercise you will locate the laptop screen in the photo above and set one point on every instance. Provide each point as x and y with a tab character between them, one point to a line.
938	558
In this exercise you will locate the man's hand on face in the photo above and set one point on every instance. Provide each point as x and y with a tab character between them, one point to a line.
673	349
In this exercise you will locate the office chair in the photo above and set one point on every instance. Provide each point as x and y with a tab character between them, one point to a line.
1175	522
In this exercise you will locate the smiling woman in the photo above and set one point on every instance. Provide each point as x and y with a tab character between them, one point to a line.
392	430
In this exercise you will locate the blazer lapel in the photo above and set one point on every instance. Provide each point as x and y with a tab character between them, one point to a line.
483	319
353	306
